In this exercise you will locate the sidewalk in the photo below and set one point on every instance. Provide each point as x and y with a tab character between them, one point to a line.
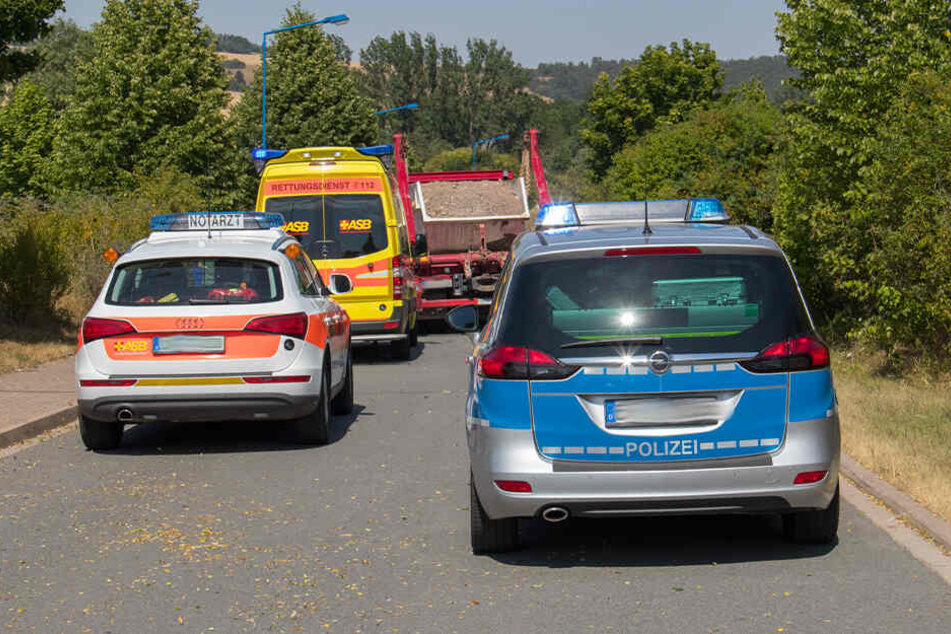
35	400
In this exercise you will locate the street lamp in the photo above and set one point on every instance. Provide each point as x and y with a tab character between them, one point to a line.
334	19
409	106
483	142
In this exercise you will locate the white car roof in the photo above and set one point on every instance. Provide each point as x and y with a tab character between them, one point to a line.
255	244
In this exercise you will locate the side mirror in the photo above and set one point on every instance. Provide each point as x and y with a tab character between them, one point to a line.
463	319
340	284
422	245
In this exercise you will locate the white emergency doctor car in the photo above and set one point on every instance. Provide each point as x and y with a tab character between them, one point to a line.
214	316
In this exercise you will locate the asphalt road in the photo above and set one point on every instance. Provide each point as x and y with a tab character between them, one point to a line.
226	528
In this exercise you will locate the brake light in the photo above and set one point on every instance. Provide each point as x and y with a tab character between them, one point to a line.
809	477
294	325
513	362
792	355
107	382
397	278
623	253
267	380
96	328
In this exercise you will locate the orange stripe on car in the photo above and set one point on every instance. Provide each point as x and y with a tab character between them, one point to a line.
238	345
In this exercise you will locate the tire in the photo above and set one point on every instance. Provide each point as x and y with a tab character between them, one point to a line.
813	527
414	336
314	429
487	535
401	349
343	402
100	436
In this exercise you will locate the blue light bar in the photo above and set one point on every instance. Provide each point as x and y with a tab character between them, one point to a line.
216	221
557	215
707	210
262	155
376	150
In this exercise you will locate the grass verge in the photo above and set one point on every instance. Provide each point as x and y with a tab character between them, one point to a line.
899	427
22	348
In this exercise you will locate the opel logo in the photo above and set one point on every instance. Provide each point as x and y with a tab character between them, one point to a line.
659	362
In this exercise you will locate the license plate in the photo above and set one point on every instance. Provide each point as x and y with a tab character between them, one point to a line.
216	221
700	409
189	344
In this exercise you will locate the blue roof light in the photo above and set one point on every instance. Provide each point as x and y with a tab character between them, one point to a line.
216	221
707	210
557	215
376	150
262	155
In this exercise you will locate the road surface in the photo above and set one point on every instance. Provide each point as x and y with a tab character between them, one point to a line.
227	528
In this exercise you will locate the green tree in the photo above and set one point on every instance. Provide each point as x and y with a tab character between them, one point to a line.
855	60
312	98
151	98
22	21
62	51
723	152
26	138
664	86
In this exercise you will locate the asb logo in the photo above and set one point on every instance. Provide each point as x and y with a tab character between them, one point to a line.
357	225
126	346
299	226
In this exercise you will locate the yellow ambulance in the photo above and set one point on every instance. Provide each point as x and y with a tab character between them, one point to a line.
342	204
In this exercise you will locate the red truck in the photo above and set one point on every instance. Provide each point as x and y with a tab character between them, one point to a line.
465	223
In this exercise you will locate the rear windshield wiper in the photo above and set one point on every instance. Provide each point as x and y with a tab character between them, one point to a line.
233	300
644	341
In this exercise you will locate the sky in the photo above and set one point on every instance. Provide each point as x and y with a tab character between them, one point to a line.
534	30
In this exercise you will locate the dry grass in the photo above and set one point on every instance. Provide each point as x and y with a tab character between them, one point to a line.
898	427
18	355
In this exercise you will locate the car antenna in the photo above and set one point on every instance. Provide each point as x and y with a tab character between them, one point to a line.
647	226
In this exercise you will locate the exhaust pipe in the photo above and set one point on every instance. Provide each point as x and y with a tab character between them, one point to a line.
124	415
555	514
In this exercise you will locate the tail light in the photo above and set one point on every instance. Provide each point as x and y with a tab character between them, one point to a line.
512	362
810	477
294	325
107	382
96	328
792	355
514	486
397	278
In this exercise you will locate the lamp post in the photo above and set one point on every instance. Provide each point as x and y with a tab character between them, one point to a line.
409	106
483	142
334	19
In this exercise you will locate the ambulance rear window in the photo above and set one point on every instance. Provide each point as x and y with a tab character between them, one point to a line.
179	281
334	226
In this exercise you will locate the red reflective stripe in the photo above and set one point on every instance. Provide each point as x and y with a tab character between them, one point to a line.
107	382
261	380
514	486
810	477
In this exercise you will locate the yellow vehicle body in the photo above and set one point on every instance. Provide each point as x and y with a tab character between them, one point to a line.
343	208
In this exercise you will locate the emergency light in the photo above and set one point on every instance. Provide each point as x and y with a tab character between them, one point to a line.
216	221
631	211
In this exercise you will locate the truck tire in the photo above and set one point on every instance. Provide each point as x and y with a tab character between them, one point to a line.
343	402
98	435
414	336
487	535
401	349
314	429
813	527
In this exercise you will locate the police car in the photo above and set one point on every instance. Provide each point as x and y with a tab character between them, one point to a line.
648	359
214	316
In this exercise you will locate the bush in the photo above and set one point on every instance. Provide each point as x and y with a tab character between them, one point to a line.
461	159
33	273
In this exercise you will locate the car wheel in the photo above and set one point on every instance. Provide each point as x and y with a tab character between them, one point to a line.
813	527
487	535
343	402
401	349
414	336
98	435
314	429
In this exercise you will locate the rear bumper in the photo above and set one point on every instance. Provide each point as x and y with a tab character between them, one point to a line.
200	407
618	489
369	331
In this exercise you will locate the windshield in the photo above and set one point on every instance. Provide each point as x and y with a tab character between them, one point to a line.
195	281
689	303
334	226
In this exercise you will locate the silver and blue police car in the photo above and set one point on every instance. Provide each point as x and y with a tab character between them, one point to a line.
633	367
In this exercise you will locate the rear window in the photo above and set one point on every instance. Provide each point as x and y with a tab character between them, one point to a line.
334	226
695	303
195	281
